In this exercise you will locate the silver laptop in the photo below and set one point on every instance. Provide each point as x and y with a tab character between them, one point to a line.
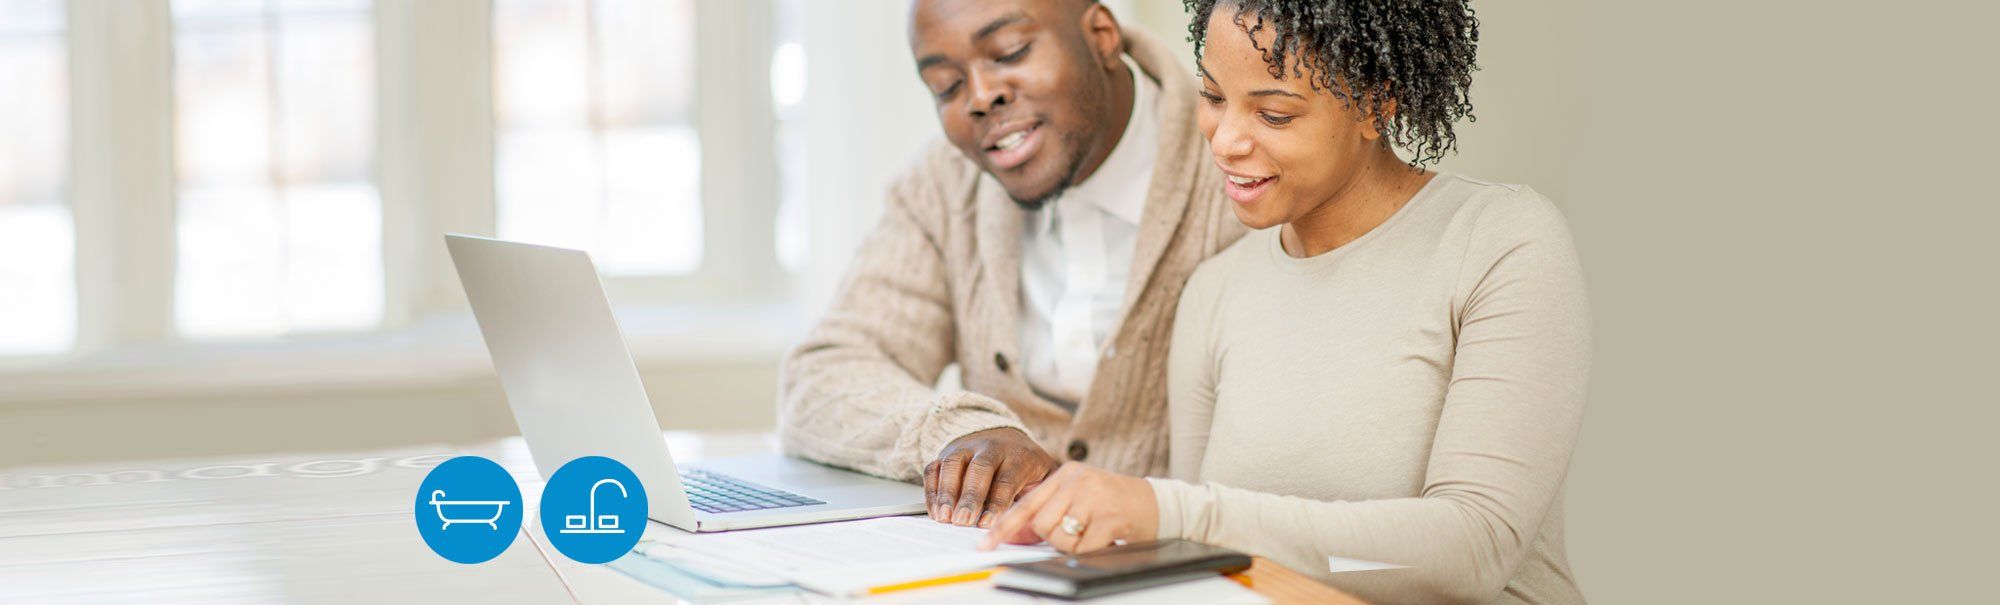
575	392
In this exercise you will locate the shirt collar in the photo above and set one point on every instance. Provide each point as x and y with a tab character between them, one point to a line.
1119	185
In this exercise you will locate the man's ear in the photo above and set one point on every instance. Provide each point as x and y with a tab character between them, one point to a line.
1101	32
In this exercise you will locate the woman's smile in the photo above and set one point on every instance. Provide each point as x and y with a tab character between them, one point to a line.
1245	189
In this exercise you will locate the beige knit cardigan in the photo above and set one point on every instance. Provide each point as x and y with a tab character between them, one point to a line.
938	283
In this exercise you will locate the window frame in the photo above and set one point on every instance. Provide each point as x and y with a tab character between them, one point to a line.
435	164
122	184
435	142
739	263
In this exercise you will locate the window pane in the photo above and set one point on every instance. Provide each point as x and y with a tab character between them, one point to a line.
37	238
788	94
596	147
279	219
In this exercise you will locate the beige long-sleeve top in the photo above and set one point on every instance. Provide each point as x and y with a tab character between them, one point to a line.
938	282
1411	397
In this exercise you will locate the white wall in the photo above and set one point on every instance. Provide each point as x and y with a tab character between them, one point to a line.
867	117
1784	220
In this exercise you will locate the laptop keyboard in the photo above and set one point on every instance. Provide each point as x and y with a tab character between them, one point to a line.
718	493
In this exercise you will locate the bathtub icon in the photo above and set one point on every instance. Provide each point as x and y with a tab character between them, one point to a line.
467	511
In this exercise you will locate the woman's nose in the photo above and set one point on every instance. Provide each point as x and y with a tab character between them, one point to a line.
1229	140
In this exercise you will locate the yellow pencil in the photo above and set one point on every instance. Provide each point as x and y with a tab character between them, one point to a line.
938	581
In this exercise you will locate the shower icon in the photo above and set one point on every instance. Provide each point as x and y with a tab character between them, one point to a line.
593	510
592	523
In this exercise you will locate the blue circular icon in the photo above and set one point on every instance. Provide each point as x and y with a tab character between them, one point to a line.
468	509
593	509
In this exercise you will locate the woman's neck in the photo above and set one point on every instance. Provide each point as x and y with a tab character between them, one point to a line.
1381	187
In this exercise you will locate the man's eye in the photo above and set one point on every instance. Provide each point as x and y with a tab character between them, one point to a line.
1016	55
948	91
1275	120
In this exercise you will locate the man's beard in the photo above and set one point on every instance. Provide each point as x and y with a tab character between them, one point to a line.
1077	156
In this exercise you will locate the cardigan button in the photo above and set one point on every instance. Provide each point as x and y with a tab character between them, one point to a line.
1000	361
1078	450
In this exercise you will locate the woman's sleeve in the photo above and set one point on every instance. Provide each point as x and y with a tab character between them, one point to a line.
1509	422
1190	380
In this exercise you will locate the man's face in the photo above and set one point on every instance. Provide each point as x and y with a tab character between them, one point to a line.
1022	87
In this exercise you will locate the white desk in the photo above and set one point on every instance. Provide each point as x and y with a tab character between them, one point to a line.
328	527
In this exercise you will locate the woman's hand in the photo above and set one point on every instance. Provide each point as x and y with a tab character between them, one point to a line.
1078	509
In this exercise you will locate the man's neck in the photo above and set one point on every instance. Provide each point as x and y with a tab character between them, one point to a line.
1123	91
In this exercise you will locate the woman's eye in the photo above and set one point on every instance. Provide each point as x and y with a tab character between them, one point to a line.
1212	98
1275	120
1016	55
947	92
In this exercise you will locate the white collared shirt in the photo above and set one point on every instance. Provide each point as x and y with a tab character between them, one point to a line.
1076	255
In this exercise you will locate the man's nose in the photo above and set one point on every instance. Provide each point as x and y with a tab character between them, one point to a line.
985	93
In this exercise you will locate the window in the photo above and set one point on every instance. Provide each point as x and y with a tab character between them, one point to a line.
37	249
253	171
788	93
279	221
597	147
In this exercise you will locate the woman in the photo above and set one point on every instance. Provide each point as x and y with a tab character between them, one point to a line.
1396	373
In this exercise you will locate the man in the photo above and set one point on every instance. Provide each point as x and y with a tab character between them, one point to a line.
1043	251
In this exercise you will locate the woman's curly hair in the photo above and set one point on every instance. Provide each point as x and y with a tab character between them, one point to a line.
1415	54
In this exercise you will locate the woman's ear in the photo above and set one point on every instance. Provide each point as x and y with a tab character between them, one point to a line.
1381	115
1361	106
1101	32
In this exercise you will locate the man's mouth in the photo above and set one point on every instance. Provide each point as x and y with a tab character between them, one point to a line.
1014	145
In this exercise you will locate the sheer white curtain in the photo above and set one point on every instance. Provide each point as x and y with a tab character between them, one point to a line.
37	235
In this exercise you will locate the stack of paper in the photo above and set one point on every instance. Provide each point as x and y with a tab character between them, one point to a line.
846	559
691	584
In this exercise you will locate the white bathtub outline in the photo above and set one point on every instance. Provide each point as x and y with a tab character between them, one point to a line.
493	522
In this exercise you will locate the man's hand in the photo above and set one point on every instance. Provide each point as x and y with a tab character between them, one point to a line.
976	477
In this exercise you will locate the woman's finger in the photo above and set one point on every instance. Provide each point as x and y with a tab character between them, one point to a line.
1047	523
1104	528
1013	522
1017	525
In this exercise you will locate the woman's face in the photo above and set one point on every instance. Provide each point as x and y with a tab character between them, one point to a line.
1286	148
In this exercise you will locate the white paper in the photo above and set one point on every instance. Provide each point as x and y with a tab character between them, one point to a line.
717	570
848	558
